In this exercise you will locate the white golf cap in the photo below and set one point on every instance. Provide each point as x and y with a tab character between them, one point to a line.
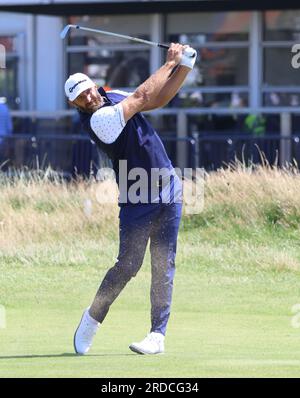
76	84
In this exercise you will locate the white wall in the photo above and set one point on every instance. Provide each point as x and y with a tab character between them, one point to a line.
49	64
12	23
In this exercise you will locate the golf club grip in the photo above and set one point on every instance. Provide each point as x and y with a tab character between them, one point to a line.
166	47
163	46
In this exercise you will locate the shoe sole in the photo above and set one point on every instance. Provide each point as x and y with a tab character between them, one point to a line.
139	351
136	350
74	345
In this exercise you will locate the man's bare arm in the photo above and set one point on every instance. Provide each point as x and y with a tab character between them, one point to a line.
160	87
169	89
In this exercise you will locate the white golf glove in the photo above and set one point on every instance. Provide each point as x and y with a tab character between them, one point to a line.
188	57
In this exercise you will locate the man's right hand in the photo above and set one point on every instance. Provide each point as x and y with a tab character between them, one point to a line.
175	53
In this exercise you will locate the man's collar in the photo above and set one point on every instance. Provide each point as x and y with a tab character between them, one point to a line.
102	92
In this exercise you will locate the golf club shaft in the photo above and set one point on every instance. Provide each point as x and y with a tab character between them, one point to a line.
103	32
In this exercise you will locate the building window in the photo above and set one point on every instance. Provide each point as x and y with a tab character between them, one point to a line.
110	61
282	25
281	83
222	42
204	27
9	75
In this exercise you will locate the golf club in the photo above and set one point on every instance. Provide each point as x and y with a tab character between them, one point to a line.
66	29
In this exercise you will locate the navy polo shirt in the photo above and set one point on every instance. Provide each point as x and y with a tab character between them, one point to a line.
138	144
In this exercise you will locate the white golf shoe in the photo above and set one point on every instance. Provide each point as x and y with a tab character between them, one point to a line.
85	333
152	344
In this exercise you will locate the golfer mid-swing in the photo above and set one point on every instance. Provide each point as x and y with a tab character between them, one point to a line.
114	122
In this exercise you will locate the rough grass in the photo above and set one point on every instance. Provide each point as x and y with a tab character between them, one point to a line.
39	207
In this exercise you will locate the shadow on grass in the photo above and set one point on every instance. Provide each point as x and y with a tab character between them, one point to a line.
64	355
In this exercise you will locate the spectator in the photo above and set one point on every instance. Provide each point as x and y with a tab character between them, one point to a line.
5	129
5	119
255	124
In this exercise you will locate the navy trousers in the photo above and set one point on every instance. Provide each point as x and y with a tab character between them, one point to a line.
139	223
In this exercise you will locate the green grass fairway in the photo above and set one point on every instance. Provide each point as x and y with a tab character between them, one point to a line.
231	311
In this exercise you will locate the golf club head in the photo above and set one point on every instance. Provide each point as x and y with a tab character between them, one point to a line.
65	31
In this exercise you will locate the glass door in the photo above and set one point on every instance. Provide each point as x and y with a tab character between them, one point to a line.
9	75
